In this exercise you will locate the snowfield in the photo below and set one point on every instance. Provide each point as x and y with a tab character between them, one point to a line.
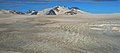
60	34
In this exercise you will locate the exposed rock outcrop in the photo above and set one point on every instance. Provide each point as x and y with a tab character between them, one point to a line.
32	12
15	12
58	10
10	12
51	12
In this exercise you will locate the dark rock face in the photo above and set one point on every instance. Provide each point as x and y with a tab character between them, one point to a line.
15	12
32	12
51	12
20	13
12	11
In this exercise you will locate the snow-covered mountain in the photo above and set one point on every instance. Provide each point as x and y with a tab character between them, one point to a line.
62	10
56	10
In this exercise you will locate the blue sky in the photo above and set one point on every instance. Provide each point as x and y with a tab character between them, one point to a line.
42	0
93	6
58	0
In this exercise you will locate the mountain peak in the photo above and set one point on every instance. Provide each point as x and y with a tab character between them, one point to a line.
62	10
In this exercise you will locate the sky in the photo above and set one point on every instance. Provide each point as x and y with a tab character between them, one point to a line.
92	6
57	0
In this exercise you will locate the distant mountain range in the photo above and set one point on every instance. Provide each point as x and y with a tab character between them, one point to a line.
56	10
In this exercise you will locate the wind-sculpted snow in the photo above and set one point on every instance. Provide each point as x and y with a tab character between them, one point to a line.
49	34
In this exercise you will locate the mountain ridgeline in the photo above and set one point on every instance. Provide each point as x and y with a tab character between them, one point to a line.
56	10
